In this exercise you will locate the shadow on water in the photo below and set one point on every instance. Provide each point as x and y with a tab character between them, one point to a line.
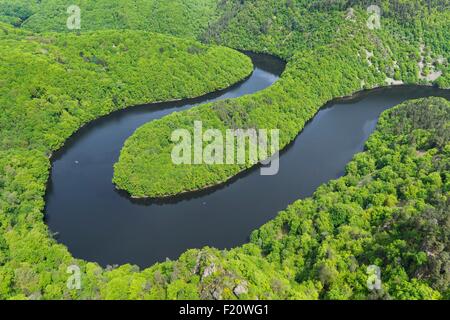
98	223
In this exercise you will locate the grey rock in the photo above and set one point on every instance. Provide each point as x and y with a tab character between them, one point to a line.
209	271
240	289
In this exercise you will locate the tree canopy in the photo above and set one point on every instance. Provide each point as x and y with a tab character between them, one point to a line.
390	210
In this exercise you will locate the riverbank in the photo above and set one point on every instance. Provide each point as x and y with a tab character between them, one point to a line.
81	197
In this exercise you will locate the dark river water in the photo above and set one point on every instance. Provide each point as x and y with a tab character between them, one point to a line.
98	223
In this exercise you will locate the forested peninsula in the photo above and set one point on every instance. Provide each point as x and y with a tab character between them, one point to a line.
342	57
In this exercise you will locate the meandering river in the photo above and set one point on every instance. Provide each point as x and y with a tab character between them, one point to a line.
98	223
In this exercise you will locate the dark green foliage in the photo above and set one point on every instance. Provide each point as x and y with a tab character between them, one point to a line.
17	11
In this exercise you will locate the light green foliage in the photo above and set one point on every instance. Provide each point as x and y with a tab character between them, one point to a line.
50	85
176	17
390	210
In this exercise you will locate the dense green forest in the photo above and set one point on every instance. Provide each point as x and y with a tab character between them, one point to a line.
390	210
316	73
52	84
176	17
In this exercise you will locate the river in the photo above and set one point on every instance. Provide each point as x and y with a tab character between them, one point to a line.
98	223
